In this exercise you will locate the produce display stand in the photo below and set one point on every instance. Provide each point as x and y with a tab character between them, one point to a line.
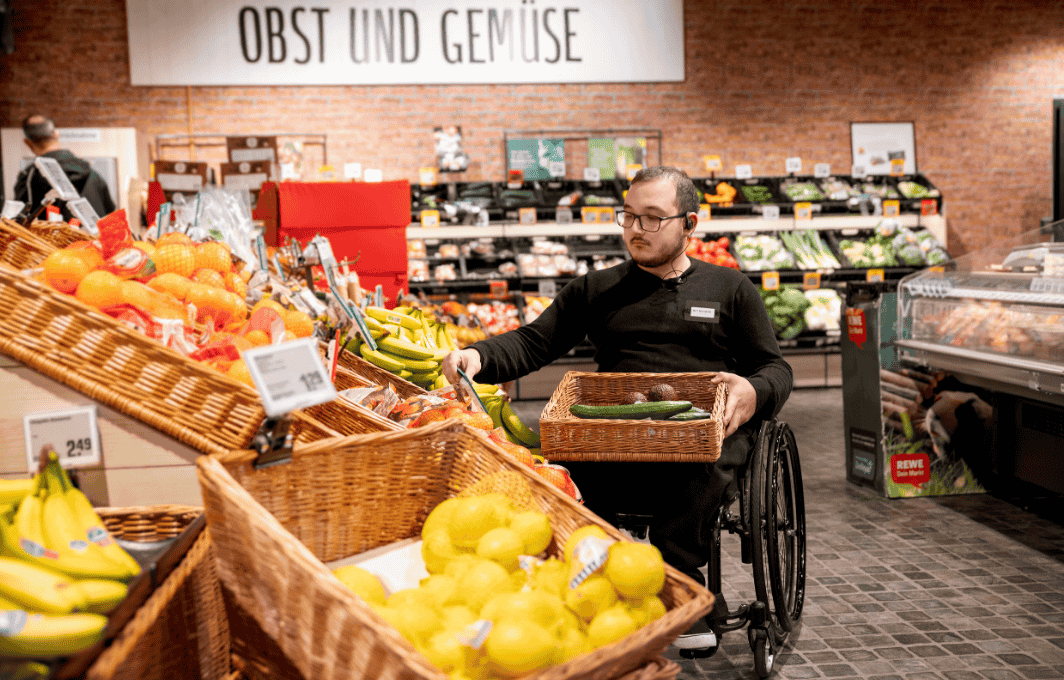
274	527
346	417
566	437
172	624
59	234
21	248
375	375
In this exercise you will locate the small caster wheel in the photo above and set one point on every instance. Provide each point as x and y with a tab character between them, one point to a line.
764	654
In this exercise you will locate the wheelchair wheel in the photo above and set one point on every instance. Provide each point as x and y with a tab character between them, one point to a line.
777	528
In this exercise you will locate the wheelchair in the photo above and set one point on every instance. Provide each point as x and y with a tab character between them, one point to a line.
771	527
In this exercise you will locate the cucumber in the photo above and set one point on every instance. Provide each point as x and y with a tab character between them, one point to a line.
694	413
657	410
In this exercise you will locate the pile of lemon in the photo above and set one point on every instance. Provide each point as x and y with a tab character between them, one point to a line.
495	606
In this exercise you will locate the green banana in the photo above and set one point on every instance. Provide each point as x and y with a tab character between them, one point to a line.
493	405
512	423
35	636
14	490
379	360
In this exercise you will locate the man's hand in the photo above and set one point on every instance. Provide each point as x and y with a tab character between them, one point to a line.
466	359
742	401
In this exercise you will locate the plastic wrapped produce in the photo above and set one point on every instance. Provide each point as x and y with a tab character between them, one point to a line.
836	189
825	309
762	252
803	191
910	189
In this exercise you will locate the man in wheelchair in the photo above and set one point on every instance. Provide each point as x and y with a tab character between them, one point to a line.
658	312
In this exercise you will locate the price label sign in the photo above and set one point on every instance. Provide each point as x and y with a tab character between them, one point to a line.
563	216
12	209
633	169
72	434
770	212
803	211
288	171
373	175
590	214
289	376
937	269
744	172
822	170
928	206
891	208
770	280
556	169
548	288
811	280
526	215
427	177
517	179
704	211
430	219
793	164
352	171
897	167
712	163
592	175
498	289
857	171
874	276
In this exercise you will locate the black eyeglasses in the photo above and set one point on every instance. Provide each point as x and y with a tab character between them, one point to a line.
649	223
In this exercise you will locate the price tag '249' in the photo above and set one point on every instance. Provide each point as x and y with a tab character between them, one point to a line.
289	376
72	434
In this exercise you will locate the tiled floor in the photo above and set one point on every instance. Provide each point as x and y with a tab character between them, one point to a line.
964	588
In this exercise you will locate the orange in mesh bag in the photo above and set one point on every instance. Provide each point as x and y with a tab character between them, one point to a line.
114	233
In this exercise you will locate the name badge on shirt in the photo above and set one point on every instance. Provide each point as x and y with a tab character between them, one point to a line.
703	312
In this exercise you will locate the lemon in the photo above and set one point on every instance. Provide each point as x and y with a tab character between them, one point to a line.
517	648
573	644
439	589
552	576
503	503
457	616
411	596
579	535
437	550
519	579
591	597
474	517
534	529
444	650
415	622
483	580
610	625
650	608
459	565
362	583
636	570
501	545
538	607
439	518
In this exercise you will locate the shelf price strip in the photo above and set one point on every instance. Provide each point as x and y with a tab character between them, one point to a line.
874	276
811	280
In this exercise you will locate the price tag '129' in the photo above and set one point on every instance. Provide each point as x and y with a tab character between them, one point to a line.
72	434
289	376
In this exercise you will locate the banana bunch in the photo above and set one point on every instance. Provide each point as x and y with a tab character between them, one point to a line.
60	570
409	344
497	404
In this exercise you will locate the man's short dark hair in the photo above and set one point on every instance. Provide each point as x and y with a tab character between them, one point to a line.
686	193
37	128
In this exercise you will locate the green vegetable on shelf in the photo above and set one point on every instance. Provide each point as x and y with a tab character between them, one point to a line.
756	193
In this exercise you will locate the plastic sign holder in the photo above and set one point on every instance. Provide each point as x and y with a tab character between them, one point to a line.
72	434
891	208
289	376
53	172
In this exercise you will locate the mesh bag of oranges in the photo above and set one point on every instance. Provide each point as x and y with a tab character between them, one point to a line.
189	296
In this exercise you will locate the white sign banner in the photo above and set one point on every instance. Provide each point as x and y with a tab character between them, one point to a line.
339	42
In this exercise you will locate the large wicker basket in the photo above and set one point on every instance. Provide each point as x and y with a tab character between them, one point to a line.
20	248
347	418
566	437
274	527
173	625
59	234
75	344
377	375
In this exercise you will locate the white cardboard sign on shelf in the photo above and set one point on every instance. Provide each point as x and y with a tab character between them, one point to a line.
770	212
352	170
373	175
12	208
592	175
548	288
744	171
289	376
822	170
793	164
72	434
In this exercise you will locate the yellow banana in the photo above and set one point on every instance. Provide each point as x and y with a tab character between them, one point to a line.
518	429
390	316
494	408
408	349
405	374
37	588
413	365
14	490
403	309
440	383
35	636
483	390
375	326
92	526
379	360
428	332
101	595
63	532
24	670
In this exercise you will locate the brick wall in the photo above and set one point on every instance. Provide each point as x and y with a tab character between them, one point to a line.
764	81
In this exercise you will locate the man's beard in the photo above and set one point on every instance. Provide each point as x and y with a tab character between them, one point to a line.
669	256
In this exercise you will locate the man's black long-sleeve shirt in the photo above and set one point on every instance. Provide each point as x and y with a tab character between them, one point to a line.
713	321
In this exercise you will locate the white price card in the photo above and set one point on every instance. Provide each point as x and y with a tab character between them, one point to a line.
548	288
427	177
288	171
81	209
526	215
72	434
50	168
289	376
633	170
770	212
563	216
822	170
373	175
744	172
352	170
857	171
793	164
12	209
556	169
592	175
